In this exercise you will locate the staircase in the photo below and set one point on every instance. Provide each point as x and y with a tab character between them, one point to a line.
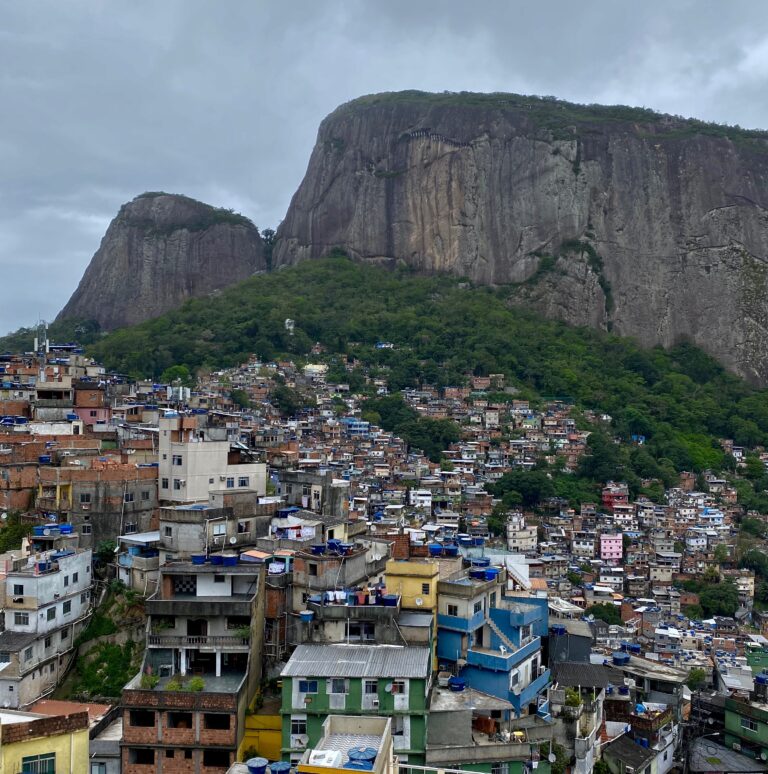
500	634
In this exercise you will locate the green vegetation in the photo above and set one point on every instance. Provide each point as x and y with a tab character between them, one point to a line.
432	436
442	329
12	532
563	119
696	679
207	216
719	599
83	331
105	669
605	611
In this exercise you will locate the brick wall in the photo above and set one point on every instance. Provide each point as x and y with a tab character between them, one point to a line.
58	724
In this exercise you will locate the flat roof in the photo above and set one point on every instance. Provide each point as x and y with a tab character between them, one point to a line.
446	700
141	538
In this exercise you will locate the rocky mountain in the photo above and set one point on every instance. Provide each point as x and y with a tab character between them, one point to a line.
160	250
648	225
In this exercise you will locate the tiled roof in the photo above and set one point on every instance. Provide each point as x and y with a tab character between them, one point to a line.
570	674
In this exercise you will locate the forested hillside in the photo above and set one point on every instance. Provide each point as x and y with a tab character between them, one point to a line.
444	329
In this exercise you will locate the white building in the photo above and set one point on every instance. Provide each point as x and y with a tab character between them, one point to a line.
47	601
196	460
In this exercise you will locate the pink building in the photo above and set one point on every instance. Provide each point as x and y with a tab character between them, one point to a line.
611	548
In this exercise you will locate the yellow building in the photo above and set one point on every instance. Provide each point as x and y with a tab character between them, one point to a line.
43	744
415	580
263	732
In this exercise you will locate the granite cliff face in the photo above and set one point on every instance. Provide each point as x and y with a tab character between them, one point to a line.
647	225
160	250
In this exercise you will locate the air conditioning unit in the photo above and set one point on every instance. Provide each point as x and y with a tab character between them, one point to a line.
375	703
222	478
737	746
542	669
85	506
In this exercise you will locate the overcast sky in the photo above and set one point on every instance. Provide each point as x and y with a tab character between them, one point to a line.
100	101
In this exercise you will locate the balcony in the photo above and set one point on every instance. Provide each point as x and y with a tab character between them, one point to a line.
191	606
202	642
53	504
353	612
458	623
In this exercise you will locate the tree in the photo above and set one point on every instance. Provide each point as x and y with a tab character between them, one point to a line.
240	398
694	612
605	611
696	679
719	599
178	374
721	553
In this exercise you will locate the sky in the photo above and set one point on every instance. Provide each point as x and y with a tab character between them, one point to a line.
101	101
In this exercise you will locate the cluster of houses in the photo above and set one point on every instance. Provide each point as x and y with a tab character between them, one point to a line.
320	596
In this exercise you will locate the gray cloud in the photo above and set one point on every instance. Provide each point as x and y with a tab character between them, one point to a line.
100	101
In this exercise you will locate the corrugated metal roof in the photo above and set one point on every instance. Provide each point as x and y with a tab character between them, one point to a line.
358	661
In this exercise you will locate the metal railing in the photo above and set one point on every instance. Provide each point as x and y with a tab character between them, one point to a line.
176	641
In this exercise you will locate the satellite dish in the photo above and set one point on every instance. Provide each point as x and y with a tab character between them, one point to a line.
764	756
388	687
552	758
232	541
4	517
419	601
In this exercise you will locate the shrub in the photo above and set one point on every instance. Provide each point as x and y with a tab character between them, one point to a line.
196	684
148	682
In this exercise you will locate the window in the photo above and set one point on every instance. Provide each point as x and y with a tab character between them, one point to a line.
177	484
66	580
67	608
298	725
216	758
92	413
425	588
18	589
179	720
83	598
370	687
98	768
243	528
128	497
5	657
177	460
500	768
142	718
169	753
86	529
65	634
75	577
164	483
478	608
243	481
21	619
749	724
142	755
51	613
312	569
188	754
338	685
129	528
453	610
39	764
398	725
219	529
219	579
231	482
145	496
28	654
399	686
217	721
210	480
307	686
47	642
85	498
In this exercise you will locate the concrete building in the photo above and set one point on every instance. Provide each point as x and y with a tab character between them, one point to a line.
369	680
47	603
197	458
186	708
611	548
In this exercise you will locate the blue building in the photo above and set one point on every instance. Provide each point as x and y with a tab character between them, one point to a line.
494	641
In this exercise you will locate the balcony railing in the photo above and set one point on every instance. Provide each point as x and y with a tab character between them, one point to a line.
198	641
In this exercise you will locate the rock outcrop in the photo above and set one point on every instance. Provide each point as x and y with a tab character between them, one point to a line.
651	226
160	250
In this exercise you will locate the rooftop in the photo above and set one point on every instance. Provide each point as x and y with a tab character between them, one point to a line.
358	661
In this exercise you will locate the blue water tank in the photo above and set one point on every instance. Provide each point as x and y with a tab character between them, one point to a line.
279	767
257	765
457	684
359	765
363	754
435	549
